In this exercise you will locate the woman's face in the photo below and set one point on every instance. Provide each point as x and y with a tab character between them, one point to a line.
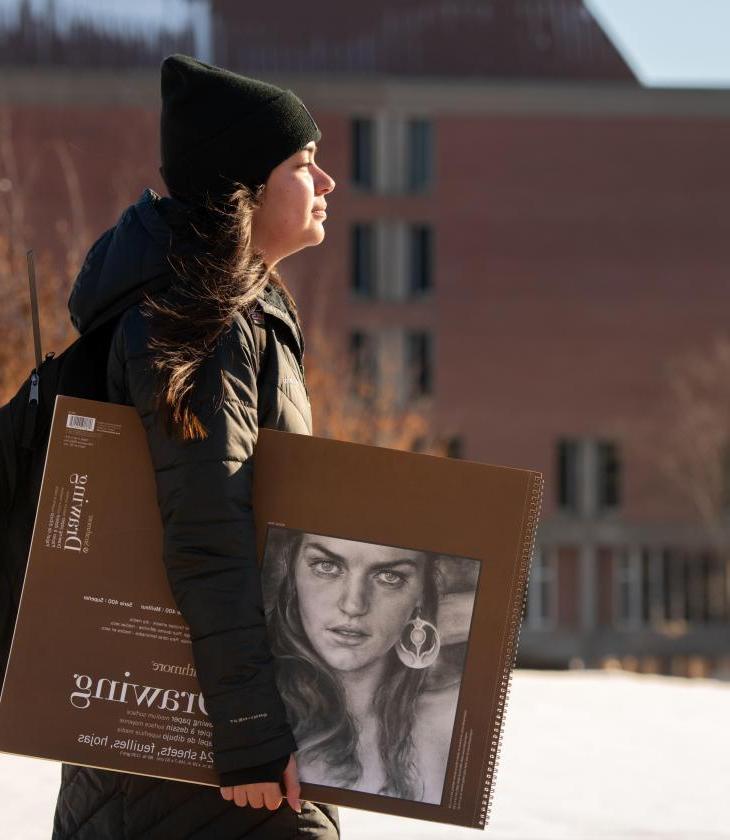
291	215
355	598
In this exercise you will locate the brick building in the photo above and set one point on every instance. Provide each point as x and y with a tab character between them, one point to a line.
520	234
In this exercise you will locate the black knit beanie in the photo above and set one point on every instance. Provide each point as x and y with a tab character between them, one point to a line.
217	127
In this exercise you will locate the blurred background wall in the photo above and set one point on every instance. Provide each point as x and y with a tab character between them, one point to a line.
527	252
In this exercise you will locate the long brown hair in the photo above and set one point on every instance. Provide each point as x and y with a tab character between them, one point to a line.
217	273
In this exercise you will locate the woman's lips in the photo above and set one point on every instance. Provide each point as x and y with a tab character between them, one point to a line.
347	636
320	214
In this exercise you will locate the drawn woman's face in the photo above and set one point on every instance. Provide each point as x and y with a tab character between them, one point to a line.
355	598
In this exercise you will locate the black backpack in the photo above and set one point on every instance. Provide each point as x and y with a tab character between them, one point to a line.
25	422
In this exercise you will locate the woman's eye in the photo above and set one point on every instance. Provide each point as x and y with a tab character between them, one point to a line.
391	579
325	567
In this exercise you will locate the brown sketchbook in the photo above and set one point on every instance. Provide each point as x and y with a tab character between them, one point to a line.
393	583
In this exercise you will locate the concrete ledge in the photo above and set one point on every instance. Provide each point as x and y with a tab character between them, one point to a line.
60	86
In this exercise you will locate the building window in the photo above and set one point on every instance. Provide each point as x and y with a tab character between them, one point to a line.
420	153
673	585
608	475
627	588
667	588
391	153
363	153
455	447
695	587
652	587
420	364
567	471
421	258
542	591
363	259
725	477
588	474
718	588
363	363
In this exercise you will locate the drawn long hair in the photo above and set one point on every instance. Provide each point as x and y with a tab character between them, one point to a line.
217	273
324	728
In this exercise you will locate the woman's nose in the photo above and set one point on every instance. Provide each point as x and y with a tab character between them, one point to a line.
326	183
354	597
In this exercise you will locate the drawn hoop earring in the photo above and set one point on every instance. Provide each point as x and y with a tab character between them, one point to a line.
418	646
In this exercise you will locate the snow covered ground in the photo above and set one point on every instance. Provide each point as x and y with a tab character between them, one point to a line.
586	756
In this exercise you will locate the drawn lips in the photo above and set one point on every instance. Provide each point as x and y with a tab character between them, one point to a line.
348	635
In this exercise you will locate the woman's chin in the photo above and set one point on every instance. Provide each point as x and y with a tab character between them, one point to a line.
316	230
343	660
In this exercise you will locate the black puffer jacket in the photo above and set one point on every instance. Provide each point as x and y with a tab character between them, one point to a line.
204	493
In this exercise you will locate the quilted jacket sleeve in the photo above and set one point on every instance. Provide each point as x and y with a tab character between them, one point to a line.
204	492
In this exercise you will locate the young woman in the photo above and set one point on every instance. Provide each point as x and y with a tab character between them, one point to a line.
195	276
357	629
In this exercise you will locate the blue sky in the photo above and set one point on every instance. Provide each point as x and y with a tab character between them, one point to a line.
671	42
666	42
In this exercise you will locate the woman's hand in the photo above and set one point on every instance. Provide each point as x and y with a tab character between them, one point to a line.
268	794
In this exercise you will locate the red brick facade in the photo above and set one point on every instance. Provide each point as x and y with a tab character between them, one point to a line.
581	242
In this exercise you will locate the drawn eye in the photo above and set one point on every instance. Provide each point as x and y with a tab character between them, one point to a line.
325	568
391	579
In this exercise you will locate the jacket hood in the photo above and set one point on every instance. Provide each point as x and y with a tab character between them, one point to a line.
130	259
123	263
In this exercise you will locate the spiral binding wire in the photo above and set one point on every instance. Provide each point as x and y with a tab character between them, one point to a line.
513	639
